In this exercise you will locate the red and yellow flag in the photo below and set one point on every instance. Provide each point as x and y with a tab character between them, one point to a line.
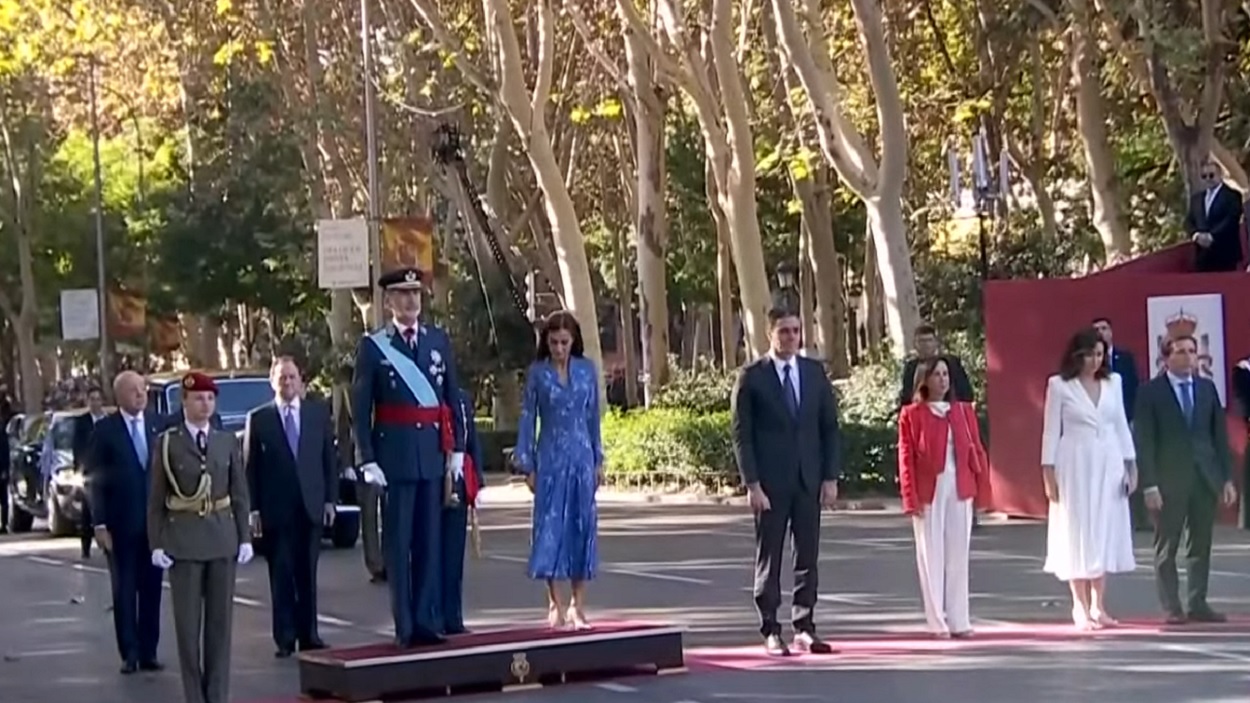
408	241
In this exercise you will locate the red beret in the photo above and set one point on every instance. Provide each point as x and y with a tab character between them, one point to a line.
196	381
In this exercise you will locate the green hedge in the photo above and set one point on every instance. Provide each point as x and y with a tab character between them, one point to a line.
684	449
684	441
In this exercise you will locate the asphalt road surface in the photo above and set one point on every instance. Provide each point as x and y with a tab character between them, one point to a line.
690	565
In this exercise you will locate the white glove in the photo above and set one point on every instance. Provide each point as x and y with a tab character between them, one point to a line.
245	552
455	465
373	474
161	560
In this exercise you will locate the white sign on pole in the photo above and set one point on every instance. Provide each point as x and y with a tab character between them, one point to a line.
342	254
80	314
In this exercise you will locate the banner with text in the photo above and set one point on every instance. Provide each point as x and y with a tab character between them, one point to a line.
343	254
80	314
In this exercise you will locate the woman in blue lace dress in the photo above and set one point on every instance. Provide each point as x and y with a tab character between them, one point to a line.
560	452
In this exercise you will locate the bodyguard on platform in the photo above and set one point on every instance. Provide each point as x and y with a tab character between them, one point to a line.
410	439
198	528
459	522
292	477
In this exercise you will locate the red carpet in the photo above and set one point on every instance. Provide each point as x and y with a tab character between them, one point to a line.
477	639
752	657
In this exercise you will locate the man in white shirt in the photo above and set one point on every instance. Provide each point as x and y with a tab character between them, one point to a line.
1214	222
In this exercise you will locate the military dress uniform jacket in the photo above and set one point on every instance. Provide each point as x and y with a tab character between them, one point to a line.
203	514
387	415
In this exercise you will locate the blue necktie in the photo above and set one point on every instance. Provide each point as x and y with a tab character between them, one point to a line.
792	398
292	432
140	441
1187	401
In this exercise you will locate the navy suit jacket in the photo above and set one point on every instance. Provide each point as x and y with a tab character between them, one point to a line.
405	453
119	483
1223	223
471	446
281	482
1123	363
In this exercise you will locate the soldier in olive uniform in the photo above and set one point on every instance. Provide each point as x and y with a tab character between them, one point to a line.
198	530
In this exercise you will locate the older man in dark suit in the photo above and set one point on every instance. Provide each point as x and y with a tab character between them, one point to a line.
291	475
785	435
1214	222
119	458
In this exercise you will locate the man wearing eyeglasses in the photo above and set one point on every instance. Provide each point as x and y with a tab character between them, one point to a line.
1214	222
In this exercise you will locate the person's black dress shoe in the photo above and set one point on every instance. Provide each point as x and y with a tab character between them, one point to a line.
129	668
460	630
809	643
775	647
151	665
379	577
284	652
312	645
1176	617
1206	615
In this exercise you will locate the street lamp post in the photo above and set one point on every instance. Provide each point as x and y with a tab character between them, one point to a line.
854	296
101	287
787	295
374	218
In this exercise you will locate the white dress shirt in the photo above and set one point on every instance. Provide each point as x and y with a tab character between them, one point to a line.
779	365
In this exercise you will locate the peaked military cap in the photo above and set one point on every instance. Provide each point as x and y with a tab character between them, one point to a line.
407	278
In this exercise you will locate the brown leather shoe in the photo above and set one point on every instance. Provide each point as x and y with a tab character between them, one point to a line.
774	647
810	643
1206	615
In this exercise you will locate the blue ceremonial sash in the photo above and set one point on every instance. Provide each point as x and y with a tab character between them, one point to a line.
412	376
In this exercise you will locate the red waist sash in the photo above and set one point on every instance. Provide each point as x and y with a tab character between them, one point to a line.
416	415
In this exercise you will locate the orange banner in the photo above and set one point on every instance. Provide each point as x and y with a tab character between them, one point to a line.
165	335
408	241
127	314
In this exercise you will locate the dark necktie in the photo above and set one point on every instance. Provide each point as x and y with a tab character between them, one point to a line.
410	336
792	398
1187	401
292	432
201	441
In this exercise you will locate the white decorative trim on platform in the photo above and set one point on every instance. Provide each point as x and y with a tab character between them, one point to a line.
519	645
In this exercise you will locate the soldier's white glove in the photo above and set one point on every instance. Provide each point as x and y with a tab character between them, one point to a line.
373	475
161	560
245	552
455	465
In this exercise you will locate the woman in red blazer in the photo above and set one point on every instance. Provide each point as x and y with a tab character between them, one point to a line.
941	461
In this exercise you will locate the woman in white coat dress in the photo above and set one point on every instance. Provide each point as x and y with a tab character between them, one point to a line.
1089	470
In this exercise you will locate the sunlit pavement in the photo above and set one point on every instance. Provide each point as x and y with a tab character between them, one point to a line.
690	565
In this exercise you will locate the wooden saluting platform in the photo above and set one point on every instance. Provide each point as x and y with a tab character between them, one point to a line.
498	659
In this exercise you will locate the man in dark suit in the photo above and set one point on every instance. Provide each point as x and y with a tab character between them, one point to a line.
456	526
1120	361
83	426
1214	222
785	435
928	346
1185	466
4	476
291	475
119	459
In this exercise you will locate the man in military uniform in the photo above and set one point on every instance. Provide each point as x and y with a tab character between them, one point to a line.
410	439
459	523
198	529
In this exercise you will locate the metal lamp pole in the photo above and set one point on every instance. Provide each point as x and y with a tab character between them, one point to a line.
374	216
101	286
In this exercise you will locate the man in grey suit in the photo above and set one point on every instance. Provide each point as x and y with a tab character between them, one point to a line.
198	528
1185	465
785	434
